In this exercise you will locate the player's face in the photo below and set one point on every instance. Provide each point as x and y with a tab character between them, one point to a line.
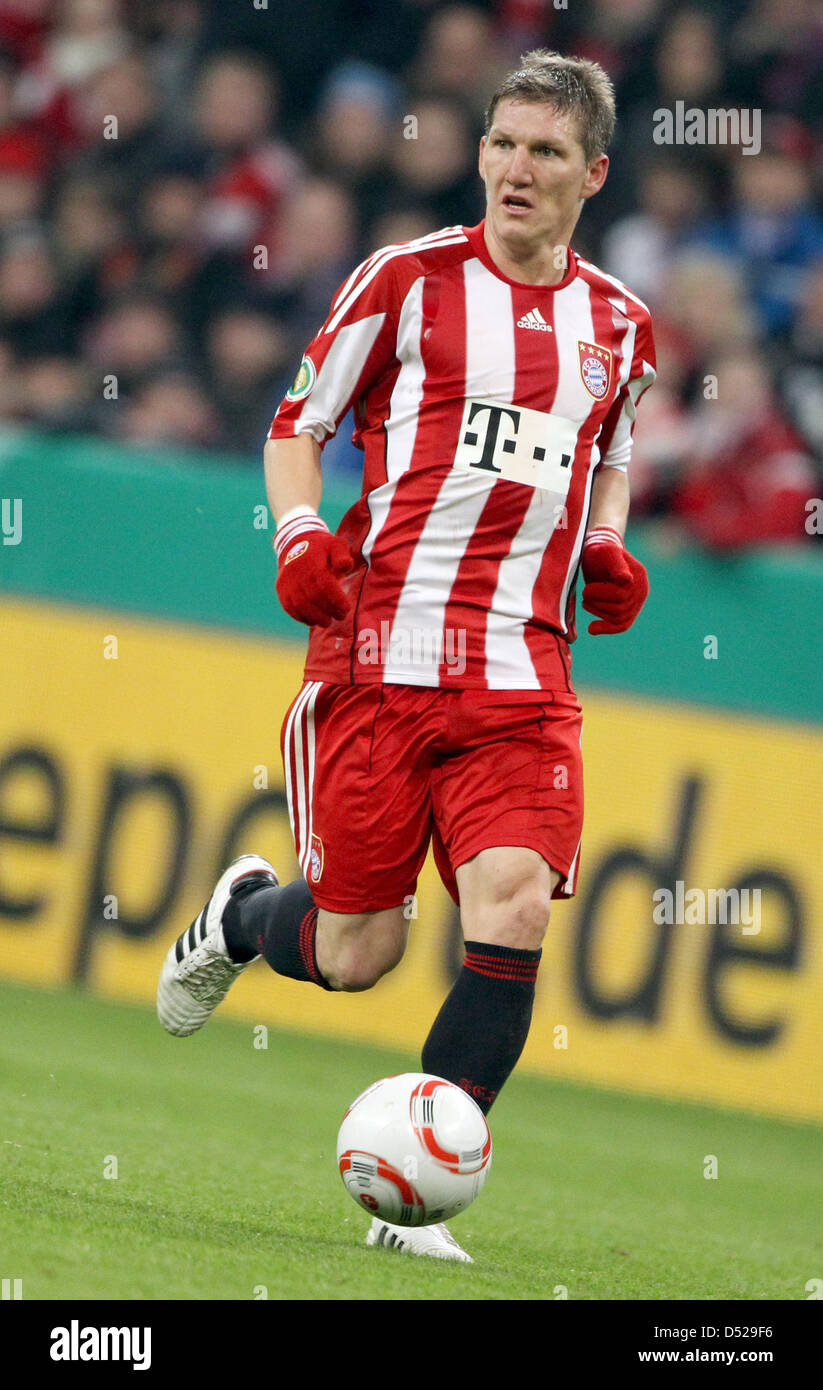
536	174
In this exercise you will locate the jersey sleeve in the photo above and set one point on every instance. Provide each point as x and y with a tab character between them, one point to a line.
356	343
616	435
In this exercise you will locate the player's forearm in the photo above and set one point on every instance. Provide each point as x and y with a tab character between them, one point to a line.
293	474
610	500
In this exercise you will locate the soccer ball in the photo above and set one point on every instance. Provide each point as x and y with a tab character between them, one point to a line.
414	1149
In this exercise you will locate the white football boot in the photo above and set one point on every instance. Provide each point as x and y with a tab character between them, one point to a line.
436	1241
198	971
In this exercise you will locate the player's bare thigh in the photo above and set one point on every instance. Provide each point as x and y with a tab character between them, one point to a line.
355	949
505	896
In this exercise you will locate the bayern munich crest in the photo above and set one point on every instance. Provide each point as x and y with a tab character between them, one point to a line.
316	858
595	369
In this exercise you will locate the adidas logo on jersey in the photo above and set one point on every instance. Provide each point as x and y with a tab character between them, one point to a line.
534	319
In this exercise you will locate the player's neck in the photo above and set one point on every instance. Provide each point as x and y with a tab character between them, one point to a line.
547	265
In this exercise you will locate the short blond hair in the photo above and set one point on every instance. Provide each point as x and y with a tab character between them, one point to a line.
567	84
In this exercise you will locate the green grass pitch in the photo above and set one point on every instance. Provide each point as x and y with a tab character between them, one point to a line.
227	1179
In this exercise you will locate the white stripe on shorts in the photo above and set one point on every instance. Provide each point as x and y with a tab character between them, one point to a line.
568	886
298	746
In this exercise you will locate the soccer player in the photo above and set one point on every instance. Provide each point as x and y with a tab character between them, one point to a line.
495	377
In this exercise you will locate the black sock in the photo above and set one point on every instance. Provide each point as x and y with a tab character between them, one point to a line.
482	1027
279	923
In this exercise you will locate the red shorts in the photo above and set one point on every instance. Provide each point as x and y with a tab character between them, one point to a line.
374	772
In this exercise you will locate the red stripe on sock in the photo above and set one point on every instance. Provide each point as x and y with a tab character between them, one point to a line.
308	928
507	961
498	975
497	968
500	969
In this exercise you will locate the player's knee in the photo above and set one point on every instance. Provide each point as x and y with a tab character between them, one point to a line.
355	971
528	919
363	958
519	920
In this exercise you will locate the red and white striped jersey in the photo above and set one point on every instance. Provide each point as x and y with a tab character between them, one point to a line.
484	408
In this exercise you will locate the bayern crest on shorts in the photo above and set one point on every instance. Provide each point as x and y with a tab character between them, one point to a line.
316	859
595	368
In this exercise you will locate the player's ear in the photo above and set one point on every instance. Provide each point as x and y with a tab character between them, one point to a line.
481	161
595	176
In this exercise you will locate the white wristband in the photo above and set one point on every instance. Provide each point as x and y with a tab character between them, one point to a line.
604	535
297	522
303	510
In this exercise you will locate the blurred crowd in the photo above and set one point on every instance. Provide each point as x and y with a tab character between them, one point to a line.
184	183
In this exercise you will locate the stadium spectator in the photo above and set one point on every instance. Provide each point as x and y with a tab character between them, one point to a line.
169	232
772	228
247	169
300	42
704	298
777	57
68	48
684	62
129	150
306	270
22	183
801	371
249	362
750	476
18	137
171	32
639	248
620	36
460	57
32	310
55	393
438	165
171	408
133	337
326	207
359	110
85	223
94	252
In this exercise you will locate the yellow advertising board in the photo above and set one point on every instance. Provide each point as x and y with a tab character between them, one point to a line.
138	757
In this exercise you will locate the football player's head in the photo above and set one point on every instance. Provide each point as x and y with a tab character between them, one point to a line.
548	127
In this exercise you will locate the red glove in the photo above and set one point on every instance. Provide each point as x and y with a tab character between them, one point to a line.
616	586
310	559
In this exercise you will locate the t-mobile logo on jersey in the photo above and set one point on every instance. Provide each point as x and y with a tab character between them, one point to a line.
520	445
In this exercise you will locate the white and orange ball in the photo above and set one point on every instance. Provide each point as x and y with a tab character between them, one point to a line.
414	1149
